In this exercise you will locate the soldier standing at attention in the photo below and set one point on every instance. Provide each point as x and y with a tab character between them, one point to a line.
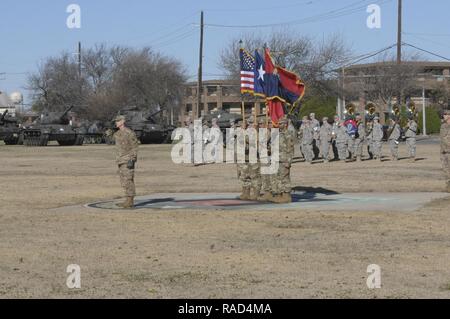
445	147
254	168
325	139
307	138
341	141
377	137
410	134
127	149
266	192
369	134
360	137
315	125
281	184
393	139
334	129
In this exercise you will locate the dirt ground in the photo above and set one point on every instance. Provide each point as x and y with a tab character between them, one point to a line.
214	254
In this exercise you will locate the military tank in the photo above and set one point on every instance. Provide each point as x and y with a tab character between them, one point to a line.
53	126
9	129
145	125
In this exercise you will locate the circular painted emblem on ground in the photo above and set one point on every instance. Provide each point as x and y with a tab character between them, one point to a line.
301	200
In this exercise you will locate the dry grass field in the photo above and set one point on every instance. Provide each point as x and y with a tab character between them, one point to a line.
214	254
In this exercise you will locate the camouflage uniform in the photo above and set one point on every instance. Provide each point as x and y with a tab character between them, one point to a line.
377	137
307	138
410	134
281	182
334	130
341	142
393	141
266	179
369	131
315	126
445	152
359	140
325	140
127	148
249	173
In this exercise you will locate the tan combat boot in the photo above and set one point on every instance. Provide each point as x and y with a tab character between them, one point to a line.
265	197
254	193
129	203
286	198
245	193
412	159
358	158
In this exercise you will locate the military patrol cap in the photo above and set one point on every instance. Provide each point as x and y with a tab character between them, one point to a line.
262	121
119	118
250	120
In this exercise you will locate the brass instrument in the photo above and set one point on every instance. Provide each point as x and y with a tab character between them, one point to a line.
412	112
396	113
370	111
349	111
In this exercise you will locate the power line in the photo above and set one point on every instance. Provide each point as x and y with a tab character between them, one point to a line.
429	52
343	11
265	8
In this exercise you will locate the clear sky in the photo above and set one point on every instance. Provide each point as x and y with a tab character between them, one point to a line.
33	30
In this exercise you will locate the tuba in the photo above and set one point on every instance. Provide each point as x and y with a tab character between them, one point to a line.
412	112
349	111
370	111
396	113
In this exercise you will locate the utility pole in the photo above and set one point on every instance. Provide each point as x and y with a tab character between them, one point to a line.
200	67
399	52
79	59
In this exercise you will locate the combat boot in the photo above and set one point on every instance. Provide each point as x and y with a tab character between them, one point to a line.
285	198
253	195
245	193
129	203
358	158
266	197
274	198
412	159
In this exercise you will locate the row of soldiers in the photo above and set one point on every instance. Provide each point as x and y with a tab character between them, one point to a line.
275	187
348	143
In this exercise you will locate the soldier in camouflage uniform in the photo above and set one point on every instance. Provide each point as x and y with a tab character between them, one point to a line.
360	138
445	147
341	141
334	129
410	134
325	139
266	179
377	137
315	125
307	137
369	133
127	149
250	173
281	183
393	139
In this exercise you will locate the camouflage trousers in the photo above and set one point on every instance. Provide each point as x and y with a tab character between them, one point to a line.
411	142
127	180
325	149
376	149
281	182
370	148
249	175
359	143
445	160
266	181
351	147
307	150
393	146
342	150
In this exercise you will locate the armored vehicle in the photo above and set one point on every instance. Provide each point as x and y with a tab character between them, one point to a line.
147	128
9	129
53	126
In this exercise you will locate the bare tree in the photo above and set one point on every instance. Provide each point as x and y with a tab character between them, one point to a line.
315	62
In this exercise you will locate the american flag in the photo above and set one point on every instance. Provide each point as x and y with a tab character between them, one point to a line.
247	72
